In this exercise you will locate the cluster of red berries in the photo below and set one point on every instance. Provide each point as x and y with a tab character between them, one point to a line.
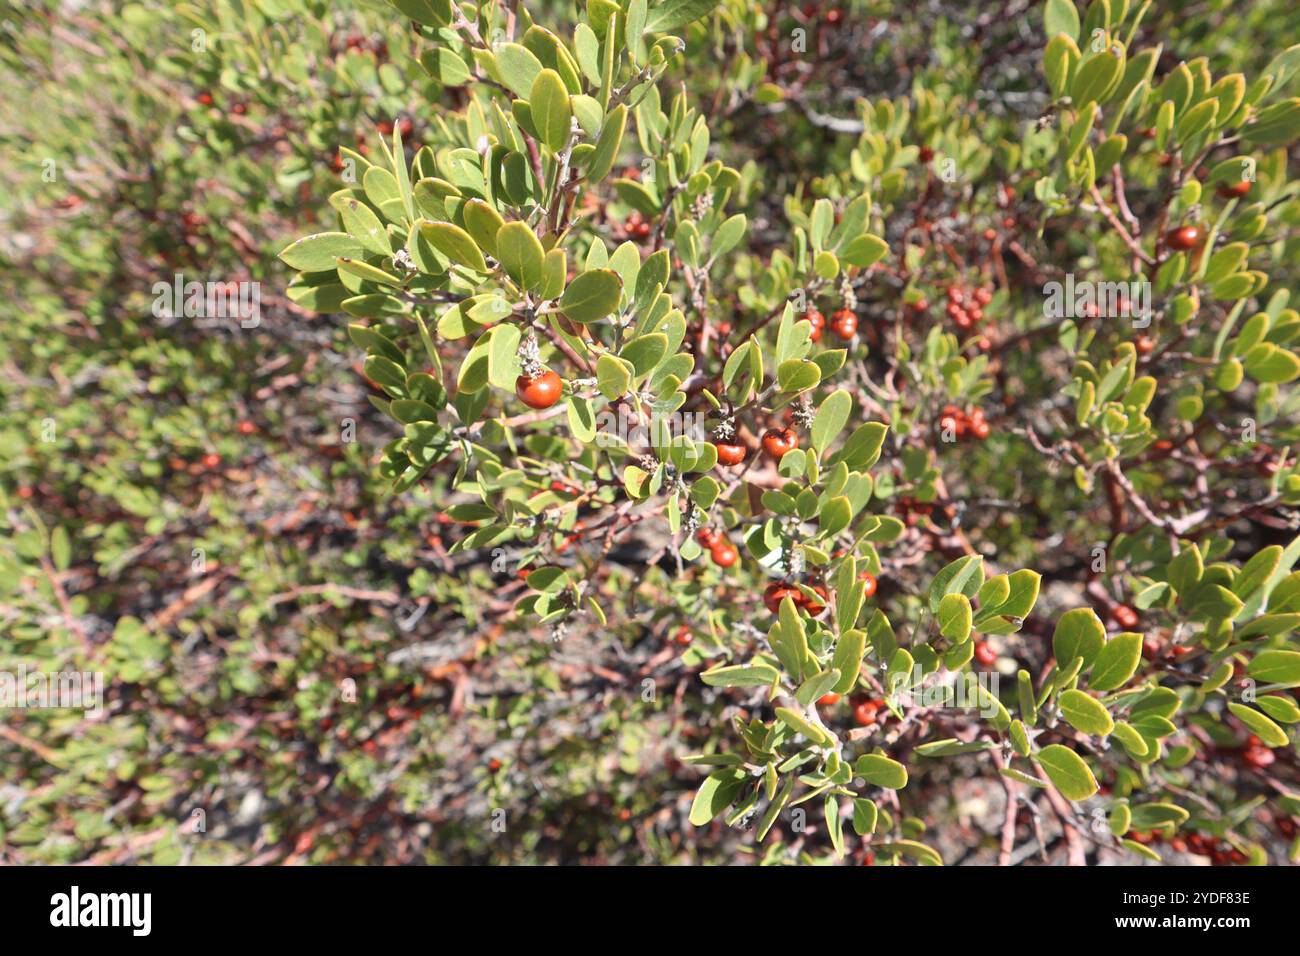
724	553
637	226
913	509
843	324
966	306
539	391
778	591
960	424
864	708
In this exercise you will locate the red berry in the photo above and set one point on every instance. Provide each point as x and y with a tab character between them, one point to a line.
980	429
1124	616
205	98
539	391
844	324
778	591
983	296
729	454
211	460
246	427
925	154
864	713
683	636
828	700
778	441
1234	190
724	554
1183	238
985	654
708	537
1144	345
869	583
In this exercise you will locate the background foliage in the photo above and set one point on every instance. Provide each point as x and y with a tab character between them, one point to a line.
206	513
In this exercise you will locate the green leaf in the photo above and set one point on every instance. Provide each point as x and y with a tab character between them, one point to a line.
963	576
1061	16
320	252
881	771
831	416
592	295
835	516
613	376
672	14
483	223
365	227
1132	740
715	794
607	144
1148	816
796	722
1269	733
955	617
454	243
1079	633
848	659
520	253
1116	662
1275	667
518	68
754	674
552	113
645	352
1085	714
1067	771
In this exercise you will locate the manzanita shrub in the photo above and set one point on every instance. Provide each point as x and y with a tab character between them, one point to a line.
841	424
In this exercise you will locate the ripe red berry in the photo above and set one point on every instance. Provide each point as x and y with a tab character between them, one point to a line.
869	583
985	654
1234	190
844	324
246	427
539	391
864	713
778	441
1183	238
729	454
1258	756
778	591
724	554
1124	616
708	537
828	699
683	636
205	98
983	296
980	429
211	460
1144	345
